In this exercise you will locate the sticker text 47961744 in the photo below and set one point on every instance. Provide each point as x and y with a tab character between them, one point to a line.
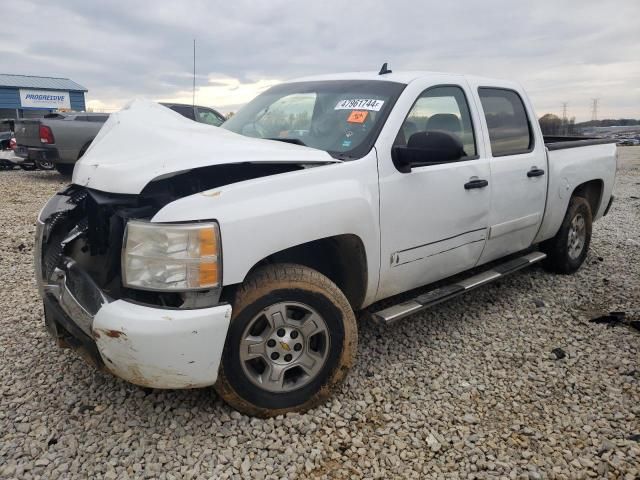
360	104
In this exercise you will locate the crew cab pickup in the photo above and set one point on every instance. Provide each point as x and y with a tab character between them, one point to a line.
238	256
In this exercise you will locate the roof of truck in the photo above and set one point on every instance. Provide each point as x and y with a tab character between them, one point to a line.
398	76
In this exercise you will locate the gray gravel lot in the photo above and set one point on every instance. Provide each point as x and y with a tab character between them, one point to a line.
470	389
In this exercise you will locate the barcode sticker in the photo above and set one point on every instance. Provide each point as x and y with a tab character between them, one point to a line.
360	104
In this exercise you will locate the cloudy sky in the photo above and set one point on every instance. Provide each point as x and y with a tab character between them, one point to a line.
560	50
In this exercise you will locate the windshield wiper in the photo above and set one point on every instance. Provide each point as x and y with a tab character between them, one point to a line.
295	141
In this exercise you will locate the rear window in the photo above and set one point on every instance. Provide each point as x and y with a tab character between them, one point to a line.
507	121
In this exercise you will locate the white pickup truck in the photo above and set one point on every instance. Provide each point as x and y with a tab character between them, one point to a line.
184	255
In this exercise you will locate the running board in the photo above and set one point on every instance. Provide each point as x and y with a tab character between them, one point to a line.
426	300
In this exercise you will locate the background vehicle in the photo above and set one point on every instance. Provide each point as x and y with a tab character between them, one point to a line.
59	139
240	261
197	113
8	159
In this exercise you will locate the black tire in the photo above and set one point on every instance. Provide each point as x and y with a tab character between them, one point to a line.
65	169
267	288
561	258
45	165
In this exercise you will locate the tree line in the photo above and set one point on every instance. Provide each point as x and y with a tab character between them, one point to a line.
554	125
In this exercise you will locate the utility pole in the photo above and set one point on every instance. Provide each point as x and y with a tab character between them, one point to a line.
594	108
565	122
194	73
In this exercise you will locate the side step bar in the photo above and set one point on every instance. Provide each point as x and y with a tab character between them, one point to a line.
426	300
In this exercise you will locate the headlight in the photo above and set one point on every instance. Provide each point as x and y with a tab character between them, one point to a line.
173	257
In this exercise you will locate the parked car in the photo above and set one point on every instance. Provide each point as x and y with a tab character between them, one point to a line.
197	113
60	139
8	159
241	262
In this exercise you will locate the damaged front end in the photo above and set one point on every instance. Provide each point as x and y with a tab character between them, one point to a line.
151	338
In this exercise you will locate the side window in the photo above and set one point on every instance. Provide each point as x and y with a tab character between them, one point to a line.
208	116
509	129
439	109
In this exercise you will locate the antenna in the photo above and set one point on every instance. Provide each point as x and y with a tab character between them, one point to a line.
194	73
384	70
594	108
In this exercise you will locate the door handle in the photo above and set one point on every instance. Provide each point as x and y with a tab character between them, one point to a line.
475	183
535	172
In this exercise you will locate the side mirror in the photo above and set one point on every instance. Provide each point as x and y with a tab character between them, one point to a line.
427	148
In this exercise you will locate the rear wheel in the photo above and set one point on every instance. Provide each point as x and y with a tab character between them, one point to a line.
568	249
65	169
44	164
291	341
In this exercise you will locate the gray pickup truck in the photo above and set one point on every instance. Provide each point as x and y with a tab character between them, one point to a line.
58	140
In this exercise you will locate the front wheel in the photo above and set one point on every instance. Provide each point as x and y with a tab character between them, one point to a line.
568	249
291	341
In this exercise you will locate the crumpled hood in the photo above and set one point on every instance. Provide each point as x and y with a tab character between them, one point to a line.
146	140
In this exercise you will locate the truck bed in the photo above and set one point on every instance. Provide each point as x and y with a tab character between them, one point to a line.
553	142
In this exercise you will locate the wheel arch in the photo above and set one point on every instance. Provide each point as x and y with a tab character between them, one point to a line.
592	192
341	258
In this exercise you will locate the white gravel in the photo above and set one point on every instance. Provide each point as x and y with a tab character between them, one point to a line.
470	389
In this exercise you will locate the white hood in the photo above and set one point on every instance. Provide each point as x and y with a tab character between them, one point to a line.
146	140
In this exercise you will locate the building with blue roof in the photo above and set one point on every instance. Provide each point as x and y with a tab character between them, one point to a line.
26	96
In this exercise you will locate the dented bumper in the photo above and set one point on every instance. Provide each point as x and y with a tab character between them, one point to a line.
146	345
160	348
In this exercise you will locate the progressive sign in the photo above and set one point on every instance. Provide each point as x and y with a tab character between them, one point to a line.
52	99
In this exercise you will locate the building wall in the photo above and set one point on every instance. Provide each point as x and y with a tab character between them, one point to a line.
9	98
10	101
77	101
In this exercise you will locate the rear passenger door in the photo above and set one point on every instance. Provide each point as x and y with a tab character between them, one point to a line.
518	171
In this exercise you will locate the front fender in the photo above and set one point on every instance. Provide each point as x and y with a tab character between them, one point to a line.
263	216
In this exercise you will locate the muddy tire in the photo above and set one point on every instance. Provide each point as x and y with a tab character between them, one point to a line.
568	249
291	341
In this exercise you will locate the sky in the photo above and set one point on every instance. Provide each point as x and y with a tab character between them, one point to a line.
560	50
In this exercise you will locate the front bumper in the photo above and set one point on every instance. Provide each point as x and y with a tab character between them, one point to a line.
149	346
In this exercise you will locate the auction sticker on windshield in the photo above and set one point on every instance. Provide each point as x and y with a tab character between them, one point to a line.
360	104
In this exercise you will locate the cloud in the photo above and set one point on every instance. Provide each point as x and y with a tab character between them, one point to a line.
568	51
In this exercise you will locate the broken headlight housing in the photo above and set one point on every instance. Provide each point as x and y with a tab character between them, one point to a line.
171	257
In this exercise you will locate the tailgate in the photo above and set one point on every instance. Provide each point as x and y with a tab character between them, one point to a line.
28	133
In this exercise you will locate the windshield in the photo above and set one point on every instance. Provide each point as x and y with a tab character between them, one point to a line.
342	117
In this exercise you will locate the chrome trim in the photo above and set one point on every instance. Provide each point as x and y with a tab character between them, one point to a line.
59	289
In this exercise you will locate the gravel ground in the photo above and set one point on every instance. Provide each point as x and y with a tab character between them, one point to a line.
470	389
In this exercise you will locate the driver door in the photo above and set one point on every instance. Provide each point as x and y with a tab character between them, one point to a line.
434	218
